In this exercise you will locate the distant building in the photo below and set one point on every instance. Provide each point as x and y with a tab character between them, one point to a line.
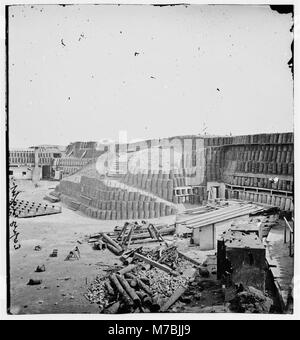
24	163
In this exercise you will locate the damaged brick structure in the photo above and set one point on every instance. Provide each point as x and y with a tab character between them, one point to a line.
241	258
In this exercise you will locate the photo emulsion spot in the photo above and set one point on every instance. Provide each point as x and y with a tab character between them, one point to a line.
150	159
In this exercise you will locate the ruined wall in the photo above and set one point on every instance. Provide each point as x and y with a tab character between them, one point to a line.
248	265
249	274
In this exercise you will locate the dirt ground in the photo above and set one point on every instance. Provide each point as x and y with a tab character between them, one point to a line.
64	282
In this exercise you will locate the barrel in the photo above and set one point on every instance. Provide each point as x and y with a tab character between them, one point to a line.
113	215
108	215
151	213
146	213
277	201
124	205
291	169
129	214
168	210
139	180
148	184
282	203
124	214
287	204
135	205
135	214
118	205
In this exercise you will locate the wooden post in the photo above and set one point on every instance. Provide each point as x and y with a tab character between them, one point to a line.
129	236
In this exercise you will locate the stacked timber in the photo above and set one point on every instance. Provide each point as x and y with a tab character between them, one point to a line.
220	215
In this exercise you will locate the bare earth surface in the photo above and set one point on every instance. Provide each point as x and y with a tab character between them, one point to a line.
64	282
278	256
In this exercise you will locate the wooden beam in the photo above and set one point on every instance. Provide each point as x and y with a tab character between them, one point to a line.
155	264
195	262
112	242
188	273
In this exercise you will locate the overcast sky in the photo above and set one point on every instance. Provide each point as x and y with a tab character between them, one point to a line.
87	72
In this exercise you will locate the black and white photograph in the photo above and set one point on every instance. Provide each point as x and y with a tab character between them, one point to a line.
150	162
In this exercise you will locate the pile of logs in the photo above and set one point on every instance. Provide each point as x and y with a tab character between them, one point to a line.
168	256
122	292
150	282
136	290
131	233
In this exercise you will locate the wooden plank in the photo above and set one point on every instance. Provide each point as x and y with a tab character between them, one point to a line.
215	213
114	249
258	175
195	262
218	219
155	264
188	273
174	297
221	217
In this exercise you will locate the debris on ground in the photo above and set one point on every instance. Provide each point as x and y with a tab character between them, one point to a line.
54	253
26	209
151	281
33	282
162	278
251	300
73	254
40	269
131	233
64	278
